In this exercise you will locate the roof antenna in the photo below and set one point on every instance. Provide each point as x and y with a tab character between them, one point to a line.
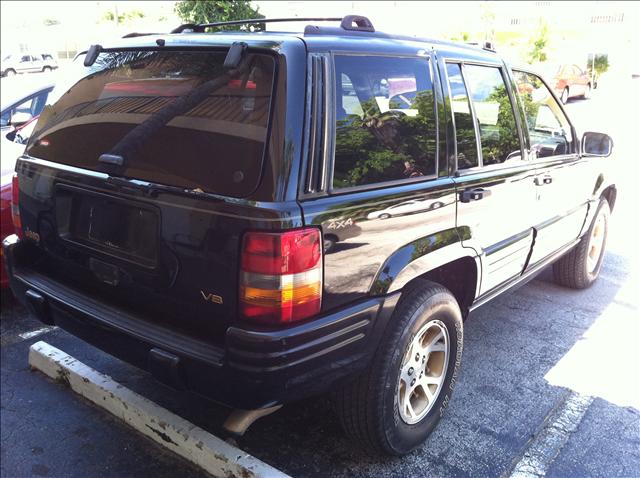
92	55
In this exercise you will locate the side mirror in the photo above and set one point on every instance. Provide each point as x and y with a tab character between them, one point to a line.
596	144
19	118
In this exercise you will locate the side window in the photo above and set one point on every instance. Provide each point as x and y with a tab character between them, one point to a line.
549	129
24	107
467	148
494	114
385	120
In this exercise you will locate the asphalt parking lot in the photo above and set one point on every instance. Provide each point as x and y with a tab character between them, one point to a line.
527	355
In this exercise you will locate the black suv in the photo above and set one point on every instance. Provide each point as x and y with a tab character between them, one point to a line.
174	201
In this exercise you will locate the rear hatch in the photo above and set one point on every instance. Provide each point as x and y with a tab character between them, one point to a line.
138	181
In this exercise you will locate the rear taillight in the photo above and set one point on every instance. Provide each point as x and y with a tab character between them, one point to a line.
281	275
15	205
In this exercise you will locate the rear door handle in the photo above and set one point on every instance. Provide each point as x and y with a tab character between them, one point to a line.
474	194
541	181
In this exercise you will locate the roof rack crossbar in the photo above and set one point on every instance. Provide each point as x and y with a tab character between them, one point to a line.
346	23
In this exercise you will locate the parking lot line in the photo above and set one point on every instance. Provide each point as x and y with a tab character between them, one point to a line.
201	448
546	445
35	333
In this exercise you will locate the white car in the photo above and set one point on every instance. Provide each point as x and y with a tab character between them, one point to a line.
13	64
407	207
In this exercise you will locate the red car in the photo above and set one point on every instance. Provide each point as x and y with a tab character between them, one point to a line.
12	143
6	224
570	81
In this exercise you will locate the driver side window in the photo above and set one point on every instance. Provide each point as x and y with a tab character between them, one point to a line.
549	129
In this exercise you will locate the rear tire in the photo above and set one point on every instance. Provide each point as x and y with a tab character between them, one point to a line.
587	92
10	73
374	409
46	69
580	267
384	216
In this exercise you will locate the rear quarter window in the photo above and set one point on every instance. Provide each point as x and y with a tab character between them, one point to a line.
160	111
385	120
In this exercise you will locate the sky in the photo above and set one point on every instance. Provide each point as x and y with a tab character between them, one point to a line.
572	31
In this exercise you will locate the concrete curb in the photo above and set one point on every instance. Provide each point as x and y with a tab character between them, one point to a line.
206	451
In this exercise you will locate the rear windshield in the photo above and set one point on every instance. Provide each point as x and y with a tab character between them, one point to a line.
174	117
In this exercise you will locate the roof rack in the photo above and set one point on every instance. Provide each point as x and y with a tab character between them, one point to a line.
486	45
350	23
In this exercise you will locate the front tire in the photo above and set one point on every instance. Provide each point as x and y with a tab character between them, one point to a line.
580	267
564	97
393	405
587	92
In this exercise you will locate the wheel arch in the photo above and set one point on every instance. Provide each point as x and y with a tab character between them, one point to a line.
610	193
439	258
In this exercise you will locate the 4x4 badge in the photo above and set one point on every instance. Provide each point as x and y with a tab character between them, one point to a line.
209	297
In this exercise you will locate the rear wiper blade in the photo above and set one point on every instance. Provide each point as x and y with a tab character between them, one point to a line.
236	63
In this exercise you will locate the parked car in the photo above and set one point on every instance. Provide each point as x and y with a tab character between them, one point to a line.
13	63
180	226
21	100
409	207
50	61
338	229
570	81
12	145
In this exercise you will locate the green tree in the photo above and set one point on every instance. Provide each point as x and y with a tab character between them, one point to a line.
538	44
382	145
600	64
211	11
123	17
464	36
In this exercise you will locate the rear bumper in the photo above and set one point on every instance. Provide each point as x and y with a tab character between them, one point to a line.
256	368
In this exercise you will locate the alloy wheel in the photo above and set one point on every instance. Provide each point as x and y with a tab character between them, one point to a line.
596	242
423	371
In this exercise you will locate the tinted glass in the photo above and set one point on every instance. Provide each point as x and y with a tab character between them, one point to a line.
24	107
494	113
173	116
549	129
32	106
385	120
467	148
